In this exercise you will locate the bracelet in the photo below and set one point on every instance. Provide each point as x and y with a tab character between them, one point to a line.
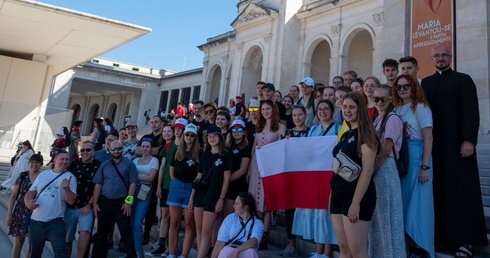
129	200
65	187
222	198
425	167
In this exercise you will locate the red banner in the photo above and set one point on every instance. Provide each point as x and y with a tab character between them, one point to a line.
432	24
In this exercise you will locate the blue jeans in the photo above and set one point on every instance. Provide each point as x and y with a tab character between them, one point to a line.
52	231
139	212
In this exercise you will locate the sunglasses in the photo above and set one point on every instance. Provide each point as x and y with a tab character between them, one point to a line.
253	109
383	99
190	135
85	150
209	111
299	105
237	130
399	87
116	149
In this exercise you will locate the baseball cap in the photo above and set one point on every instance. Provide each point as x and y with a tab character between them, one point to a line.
180	123
308	81
237	124
131	123
269	86
191	128
214	129
60	132
254	103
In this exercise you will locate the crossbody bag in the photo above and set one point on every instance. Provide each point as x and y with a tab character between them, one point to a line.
27	218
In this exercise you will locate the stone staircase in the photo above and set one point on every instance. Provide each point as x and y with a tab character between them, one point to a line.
277	237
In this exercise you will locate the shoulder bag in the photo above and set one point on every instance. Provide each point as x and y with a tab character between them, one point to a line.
346	167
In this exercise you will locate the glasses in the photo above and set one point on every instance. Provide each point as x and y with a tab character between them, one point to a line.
443	56
400	87
209	111
299	105
85	150
116	149
190	135
237	130
253	109
323	109
383	99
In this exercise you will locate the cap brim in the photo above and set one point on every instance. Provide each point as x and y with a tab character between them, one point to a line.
179	126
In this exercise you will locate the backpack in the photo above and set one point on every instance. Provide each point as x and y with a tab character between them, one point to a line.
402	160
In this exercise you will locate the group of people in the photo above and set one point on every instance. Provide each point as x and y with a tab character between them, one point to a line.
204	169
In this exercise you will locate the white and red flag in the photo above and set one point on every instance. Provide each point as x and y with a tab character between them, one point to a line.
296	173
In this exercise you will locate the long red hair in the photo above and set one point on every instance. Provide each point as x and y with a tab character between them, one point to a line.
275	119
417	93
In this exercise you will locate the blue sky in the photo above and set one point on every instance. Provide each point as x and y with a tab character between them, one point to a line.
178	26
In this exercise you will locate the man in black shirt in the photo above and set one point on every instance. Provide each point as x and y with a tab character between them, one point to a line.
157	124
268	90
81	211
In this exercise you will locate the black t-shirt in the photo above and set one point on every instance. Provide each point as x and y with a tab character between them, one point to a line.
213	167
198	124
185	170
251	132
282	110
289	121
202	130
155	139
239	185
348	145
238	108
84	173
293	133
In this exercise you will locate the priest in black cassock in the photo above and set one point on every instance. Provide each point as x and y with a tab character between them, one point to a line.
459	218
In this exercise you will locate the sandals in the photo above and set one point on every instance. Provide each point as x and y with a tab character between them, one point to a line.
464	251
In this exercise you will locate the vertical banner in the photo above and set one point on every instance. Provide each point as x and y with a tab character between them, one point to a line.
432	24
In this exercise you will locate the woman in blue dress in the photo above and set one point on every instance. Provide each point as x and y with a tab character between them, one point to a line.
316	224
418	203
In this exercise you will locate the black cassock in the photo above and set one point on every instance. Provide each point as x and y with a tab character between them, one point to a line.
458	204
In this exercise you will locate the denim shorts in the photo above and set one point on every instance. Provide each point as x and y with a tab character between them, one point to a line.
179	193
72	218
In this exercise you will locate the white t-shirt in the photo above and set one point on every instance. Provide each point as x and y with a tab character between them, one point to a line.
231	226
144	170
51	202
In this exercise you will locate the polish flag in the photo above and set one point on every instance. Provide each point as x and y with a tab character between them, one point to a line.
296	172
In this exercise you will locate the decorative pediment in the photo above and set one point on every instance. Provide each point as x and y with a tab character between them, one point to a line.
253	13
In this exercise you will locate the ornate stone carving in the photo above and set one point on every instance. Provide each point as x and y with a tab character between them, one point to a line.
378	19
268	37
251	16
336	29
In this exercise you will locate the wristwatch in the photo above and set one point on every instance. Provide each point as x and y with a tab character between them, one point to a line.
425	167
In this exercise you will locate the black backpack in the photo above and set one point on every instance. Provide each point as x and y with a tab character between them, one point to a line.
402	160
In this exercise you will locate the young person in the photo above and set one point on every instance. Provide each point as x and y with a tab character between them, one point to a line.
209	187
183	170
386	237
352	203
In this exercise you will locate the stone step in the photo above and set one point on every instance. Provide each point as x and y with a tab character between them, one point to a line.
485	180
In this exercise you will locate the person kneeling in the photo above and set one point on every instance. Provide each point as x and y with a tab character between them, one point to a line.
241	231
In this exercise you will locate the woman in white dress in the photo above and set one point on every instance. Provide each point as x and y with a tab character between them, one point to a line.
21	164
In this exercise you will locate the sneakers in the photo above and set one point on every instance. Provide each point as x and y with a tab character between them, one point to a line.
157	251
317	255
288	251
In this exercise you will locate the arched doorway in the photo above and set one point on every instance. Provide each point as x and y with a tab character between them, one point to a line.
320	62
360	53
215	79
92	114
251	72
76	114
111	112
